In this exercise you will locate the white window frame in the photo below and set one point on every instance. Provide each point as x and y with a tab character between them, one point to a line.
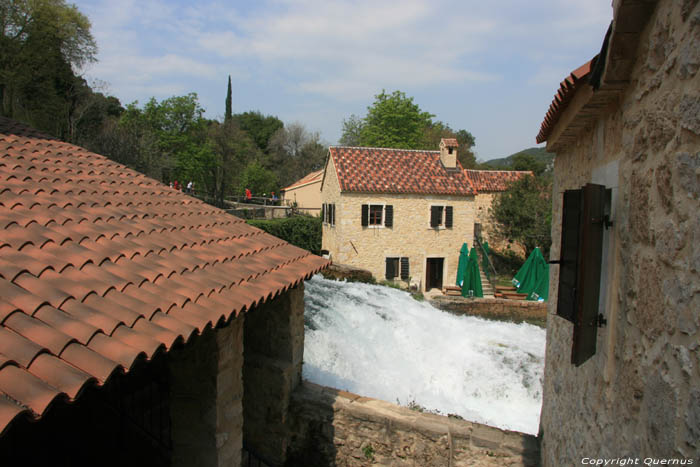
443	218
369	215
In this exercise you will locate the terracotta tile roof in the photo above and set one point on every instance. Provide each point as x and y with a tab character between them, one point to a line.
450	142
566	92
378	170
494	180
310	178
101	266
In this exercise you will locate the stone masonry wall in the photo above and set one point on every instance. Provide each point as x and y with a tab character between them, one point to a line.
639	395
206	401
411	235
274	349
332	427
494	308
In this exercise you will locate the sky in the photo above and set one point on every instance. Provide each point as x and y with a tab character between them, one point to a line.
489	67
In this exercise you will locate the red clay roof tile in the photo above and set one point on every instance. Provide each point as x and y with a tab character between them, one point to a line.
494	180
101	266
381	170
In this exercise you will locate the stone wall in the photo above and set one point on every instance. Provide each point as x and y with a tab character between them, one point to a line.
639	395
274	349
206	397
494	308
411	236
332	427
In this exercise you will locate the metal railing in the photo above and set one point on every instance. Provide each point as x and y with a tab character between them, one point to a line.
486	263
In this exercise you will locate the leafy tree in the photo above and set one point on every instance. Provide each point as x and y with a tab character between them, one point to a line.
523	213
42	43
524	161
258	179
232	149
259	127
394	121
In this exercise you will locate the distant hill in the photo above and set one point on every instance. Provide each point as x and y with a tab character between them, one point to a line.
540	154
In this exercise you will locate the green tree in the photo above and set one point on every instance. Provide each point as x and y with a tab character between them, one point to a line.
524	161
294	152
523	213
259	127
352	128
229	101
232	150
258	179
394	121
42	44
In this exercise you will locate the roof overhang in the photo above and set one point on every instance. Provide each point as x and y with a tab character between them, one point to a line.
581	101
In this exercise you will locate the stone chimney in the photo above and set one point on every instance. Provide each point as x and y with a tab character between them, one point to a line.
448	152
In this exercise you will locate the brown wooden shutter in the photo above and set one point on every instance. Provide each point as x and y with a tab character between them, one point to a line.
390	268
365	215
323	212
404	268
333	214
435	214
448	217
388	216
568	259
588	277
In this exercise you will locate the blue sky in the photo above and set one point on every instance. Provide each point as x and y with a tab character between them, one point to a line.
490	67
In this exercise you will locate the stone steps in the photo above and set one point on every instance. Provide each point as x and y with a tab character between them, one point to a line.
486	285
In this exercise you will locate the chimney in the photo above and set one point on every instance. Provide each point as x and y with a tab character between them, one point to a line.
448	152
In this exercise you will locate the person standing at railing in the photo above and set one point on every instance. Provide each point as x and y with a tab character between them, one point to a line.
248	195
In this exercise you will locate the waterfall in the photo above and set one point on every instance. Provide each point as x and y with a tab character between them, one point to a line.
380	342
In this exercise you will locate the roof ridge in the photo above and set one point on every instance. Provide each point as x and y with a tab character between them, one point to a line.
437	151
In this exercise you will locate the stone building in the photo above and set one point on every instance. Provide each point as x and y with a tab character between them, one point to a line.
622	373
401	214
138	326
306	193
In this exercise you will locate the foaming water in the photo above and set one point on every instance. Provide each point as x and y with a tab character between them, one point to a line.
380	342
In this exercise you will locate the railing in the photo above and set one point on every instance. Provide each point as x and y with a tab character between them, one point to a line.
486	263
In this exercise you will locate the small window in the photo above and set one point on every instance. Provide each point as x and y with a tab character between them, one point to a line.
377	215
441	217
328	213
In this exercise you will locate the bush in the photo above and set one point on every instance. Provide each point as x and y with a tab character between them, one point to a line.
302	231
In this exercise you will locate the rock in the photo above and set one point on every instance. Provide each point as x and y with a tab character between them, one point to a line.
689	110
348	273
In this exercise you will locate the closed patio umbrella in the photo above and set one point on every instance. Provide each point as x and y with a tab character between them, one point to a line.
462	265
471	287
531	273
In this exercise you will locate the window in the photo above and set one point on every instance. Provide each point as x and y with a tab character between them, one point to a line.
397	267
328	213
441	217
585	214
377	215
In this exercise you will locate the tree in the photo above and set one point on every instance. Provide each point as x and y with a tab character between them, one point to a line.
259	127
229	101
394	121
352	128
294	152
523	213
42	44
524	161
258	179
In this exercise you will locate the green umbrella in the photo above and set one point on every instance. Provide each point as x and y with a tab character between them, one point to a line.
471	287
541	291
531	273
462	266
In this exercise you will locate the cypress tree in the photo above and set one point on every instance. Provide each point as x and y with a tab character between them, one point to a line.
227	117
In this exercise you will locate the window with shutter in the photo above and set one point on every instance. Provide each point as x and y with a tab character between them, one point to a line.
365	215
323	212
392	268
388	215
404	269
448	217
332	220
375	214
583	220
435	216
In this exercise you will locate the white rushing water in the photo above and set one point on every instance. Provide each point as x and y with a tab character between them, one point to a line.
379	342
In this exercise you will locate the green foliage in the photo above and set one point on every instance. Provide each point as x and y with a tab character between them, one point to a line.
41	43
539	154
302	231
229	102
525	161
258	180
368	452
523	213
294	152
259	127
395	121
